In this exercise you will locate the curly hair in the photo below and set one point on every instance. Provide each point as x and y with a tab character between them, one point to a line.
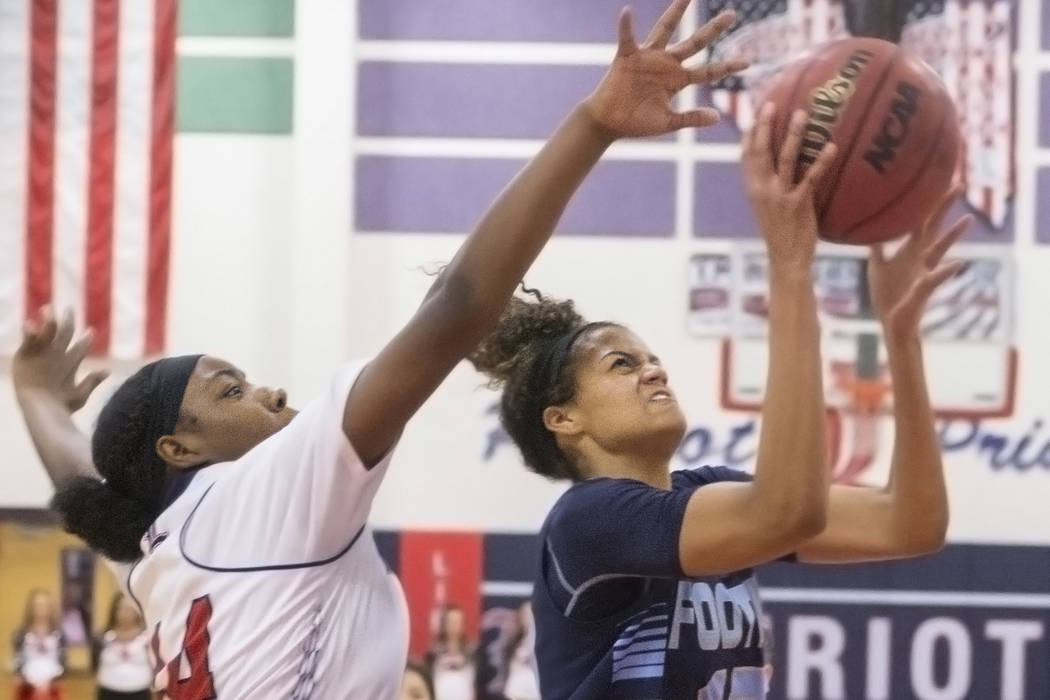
531	356
112	515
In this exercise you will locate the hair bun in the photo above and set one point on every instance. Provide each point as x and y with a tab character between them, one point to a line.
521	328
107	521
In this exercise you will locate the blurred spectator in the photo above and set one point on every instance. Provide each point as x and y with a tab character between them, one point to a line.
499	629
75	622
451	657
39	650
122	660
523	682
416	684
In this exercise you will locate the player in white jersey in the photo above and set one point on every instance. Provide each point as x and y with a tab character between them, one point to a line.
243	523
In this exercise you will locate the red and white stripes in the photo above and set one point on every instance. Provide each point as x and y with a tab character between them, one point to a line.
86	115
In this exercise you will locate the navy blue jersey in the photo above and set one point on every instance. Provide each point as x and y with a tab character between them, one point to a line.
616	617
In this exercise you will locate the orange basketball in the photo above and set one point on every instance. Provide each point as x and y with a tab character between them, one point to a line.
895	128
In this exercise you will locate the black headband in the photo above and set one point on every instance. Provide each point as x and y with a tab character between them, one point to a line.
167	386
548	365
167	380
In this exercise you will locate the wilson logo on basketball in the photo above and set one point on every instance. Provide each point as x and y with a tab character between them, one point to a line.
826	104
894	127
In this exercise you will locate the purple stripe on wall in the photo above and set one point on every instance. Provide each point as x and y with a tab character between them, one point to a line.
722	209
721	206
501	20
1042	204
1044	109
428	195
1046	25
468	100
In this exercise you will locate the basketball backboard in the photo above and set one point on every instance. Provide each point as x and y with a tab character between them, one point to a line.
971	363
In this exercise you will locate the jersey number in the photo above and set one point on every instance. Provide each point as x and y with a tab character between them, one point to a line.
198	685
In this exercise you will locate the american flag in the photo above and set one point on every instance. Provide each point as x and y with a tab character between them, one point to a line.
968	42
86	128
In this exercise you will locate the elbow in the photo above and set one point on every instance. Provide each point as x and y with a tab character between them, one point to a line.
797	523
926	540
809	522
455	298
460	299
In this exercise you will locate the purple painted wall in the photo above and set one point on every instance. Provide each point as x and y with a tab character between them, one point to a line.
441	195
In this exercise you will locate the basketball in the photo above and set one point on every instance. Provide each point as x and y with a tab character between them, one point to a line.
896	131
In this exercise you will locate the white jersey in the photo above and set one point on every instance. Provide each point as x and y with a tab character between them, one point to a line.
261	580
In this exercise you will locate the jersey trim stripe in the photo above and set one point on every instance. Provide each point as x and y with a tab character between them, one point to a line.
245	569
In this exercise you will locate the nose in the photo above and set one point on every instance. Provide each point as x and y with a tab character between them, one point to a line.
274	399
654	373
278	400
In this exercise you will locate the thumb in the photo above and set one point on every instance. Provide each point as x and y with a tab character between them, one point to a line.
87	386
626	44
914	302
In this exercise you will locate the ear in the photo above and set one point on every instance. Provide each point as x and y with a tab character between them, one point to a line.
561	420
178	453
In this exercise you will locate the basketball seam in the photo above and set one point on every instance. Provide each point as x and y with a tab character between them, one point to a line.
837	180
917	174
791	100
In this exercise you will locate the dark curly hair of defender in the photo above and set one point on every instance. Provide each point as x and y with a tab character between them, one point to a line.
111	516
531	355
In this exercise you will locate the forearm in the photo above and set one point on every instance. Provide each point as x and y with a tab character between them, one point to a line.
512	232
64	450
791	475
916	487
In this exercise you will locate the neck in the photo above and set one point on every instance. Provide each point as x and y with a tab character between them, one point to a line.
655	471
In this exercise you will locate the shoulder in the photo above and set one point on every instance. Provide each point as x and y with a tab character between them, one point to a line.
584	498
701	476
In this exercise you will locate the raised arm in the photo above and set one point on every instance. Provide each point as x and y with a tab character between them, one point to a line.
909	516
729	526
44	370
633	99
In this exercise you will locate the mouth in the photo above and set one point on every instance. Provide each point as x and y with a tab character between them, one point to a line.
661	395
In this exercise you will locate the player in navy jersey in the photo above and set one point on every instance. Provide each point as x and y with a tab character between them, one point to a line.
644	587
240	525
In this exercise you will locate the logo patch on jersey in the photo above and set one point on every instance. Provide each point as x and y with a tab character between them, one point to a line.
722	617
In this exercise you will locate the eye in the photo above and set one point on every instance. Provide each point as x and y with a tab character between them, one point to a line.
620	362
233	391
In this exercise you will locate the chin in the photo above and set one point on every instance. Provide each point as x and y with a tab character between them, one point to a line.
285	417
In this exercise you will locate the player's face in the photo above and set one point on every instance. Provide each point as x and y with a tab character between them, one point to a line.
223	415
623	400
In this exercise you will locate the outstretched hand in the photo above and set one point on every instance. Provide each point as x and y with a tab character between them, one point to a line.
47	362
902	285
634	97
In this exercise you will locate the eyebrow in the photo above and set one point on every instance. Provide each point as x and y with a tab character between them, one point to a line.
629	356
228	372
